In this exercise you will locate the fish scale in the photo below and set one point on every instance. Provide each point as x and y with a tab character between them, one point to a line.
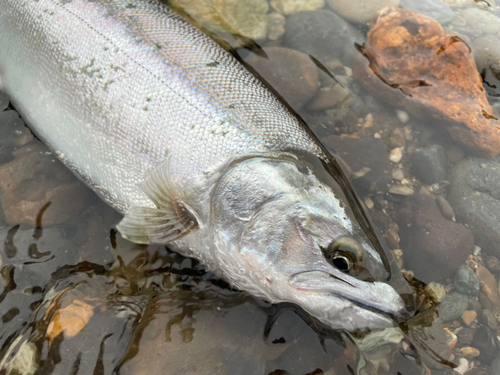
149	85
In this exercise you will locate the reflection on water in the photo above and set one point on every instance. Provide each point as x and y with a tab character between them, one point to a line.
78	299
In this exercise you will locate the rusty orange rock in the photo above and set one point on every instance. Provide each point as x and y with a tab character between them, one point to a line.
409	61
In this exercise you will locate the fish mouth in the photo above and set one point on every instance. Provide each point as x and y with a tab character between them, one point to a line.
375	297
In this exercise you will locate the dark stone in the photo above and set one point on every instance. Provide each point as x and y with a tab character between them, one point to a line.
485	340
433	247
465	336
485	302
486	51
466	281
291	73
453	306
429	164
433	8
495	366
487	317
474	194
359	153
4	101
323	35
492	263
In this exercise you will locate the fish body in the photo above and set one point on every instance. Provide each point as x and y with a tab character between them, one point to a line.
174	133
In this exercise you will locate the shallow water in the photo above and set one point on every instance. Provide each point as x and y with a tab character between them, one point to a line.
78	299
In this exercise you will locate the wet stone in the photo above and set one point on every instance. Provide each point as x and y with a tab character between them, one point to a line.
433	247
37	189
469	317
246	18
323	35
360	11
488	318
474	194
466	281
276	27
288	7
482	20
486	51
495	366
485	302
492	263
363	153
291	73
429	164
485	340
445	207
465	336
453	306
489	285
432	8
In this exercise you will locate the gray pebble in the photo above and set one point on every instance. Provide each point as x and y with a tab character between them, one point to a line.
432	8
486	51
466	281
445	207
465	336
453	306
429	164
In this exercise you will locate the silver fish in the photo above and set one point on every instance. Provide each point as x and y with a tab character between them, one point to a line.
174	133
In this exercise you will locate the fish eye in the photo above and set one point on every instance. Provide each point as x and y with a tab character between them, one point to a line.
345	253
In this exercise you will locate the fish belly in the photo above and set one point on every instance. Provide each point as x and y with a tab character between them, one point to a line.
115	87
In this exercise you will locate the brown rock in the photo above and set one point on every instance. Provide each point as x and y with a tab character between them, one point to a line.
291	73
469	352
433	247
34	190
489	285
469	317
437	76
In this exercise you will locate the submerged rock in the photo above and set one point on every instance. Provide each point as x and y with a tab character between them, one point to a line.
246	18
485	340
276	27
429	165
453	306
288	7
323	35
436	9
37	189
436	77
433	247
466	281
482	20
474	194
291	73
360	11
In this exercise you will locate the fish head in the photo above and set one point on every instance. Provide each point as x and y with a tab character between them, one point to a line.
282	235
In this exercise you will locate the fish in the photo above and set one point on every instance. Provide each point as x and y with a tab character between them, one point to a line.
177	135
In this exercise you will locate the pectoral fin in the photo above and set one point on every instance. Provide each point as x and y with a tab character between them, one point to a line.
169	221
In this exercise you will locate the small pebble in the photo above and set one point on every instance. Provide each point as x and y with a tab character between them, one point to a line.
465	336
469	317
392	239
445	208
396	155
401	190
466	281
463	366
288	7
398	174
369	203
397	138
437	291
429	164
453	306
398	256
403	116
489	285
469	352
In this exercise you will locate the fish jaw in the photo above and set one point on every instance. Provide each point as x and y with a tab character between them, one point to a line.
271	220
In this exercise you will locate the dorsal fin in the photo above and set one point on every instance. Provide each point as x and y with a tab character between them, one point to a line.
169	221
